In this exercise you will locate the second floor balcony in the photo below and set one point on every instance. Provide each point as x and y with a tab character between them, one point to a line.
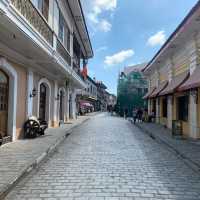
35	18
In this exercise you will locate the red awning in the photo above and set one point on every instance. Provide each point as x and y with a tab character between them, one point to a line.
175	83
149	93
192	82
159	89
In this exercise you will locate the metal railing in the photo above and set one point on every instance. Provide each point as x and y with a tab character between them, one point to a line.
35	18
63	52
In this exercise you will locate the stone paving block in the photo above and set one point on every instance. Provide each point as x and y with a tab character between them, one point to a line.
108	158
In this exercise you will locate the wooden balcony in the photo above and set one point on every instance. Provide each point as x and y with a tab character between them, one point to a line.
35	18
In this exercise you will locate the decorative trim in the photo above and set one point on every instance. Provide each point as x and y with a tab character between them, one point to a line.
44	80
12	108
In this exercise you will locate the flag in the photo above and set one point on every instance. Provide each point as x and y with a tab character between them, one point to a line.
84	71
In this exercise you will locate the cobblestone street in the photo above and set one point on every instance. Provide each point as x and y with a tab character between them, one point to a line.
107	158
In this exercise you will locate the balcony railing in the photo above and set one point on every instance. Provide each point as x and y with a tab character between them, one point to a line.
33	16
63	52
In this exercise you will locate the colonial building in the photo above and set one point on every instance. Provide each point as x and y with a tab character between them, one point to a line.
88	97
174	74
101	96
42	45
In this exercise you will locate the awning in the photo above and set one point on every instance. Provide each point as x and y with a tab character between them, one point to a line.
149	93
159	89
192	82
175	83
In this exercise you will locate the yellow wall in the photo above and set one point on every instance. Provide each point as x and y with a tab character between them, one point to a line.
186	126
163	120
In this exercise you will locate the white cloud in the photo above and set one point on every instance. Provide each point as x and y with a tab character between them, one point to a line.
119	57
103	48
95	8
158	39
105	26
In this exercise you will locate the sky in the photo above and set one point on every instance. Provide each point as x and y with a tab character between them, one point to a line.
129	32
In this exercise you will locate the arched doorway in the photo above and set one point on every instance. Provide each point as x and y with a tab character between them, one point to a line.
61	102
4	92
42	101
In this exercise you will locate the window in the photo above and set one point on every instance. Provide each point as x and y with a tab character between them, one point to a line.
61	27
43	7
164	107
182	105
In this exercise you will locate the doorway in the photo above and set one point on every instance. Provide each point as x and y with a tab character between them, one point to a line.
4	91
42	106
61	110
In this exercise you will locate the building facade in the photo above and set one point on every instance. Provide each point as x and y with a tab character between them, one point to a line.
101	96
42	46
173	78
132	86
87	99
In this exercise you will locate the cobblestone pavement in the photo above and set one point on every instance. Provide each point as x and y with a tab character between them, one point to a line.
109	159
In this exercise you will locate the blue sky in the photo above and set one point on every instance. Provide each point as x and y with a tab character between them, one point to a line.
128	32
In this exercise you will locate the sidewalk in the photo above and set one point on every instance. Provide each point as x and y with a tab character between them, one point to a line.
20	157
188	150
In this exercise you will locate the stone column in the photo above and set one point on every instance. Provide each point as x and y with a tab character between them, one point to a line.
169	111
157	110
74	104
67	105
193	98
193	118
29	92
55	104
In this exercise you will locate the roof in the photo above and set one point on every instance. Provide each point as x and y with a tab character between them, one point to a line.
149	93
134	68
77	13
175	83
174	34
91	80
192	82
159	89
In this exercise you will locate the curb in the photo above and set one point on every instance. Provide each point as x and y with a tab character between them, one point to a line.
43	156
190	163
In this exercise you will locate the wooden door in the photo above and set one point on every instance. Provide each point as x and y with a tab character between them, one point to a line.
61	106
4	91
43	96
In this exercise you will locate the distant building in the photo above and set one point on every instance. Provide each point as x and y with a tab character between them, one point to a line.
132	85
101	96
87	98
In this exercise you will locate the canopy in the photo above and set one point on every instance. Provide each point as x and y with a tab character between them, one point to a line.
175	83
192	82
149	93
159	89
86	104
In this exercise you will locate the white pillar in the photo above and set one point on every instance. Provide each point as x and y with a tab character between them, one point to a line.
74	104
169	111
29	92
55	102
194	131
67	104
149	107
157	110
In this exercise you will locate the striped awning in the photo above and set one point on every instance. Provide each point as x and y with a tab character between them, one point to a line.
159	89
175	83
192	82
149	93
